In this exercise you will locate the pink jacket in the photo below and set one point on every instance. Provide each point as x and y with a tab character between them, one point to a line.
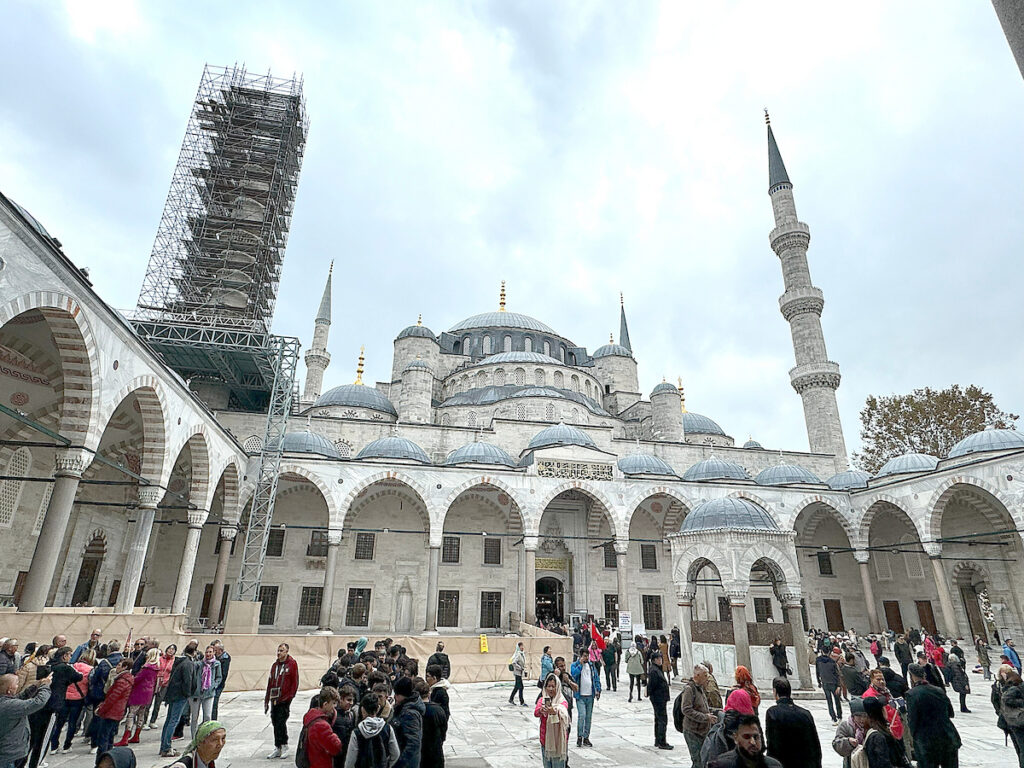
544	721
166	664
76	690
144	686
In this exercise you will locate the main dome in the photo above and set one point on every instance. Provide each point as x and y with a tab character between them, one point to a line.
717	514
518	357
849	480
714	468
988	440
502	320
561	434
786	474
695	424
308	442
645	464
908	463
480	453
355	396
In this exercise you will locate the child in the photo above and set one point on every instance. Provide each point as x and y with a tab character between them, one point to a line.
344	722
373	741
322	744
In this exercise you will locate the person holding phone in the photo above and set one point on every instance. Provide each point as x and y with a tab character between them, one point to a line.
553	711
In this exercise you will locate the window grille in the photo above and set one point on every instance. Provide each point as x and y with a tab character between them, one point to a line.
490	610
648	557
275	543
825	564
309	606
447	608
762	609
268	605
357	611
492	550
365	545
317	544
609	556
652	611
450	549
10	490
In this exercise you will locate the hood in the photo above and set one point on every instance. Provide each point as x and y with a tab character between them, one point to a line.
442	683
314	714
370	726
123	757
413	702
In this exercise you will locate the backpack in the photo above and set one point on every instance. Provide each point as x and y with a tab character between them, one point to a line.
716	738
859	757
301	755
373	752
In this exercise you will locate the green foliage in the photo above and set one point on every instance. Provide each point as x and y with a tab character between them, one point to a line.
925	421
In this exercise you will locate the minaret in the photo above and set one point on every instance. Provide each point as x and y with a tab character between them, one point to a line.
623	328
317	357
815	377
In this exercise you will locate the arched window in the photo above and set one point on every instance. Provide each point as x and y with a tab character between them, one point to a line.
253	444
508	343
499	377
561	353
520	377
528	344
471	419
520	412
549	412
344	449
487	345
10	490
538	377
559	380
547	348
481	379
446	420
465	345
587	387
465	384
575	415
912	559
575	383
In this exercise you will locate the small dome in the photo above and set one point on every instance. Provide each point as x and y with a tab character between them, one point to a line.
715	469
753	445
519	357
666	387
695	424
730	513
356	396
416	365
480	453
309	442
501	320
849	480
785	474
612	350
561	434
988	440
907	464
644	464
417	331
394	447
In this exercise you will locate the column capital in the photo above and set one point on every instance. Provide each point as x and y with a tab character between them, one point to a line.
621	547
685	599
150	495
197	518
737	596
932	548
862	556
530	543
228	532
790	599
333	537
71	462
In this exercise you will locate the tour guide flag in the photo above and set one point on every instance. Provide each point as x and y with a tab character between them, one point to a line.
597	636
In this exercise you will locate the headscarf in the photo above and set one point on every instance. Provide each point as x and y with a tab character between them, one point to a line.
745	681
739	701
556	729
204	730
361	645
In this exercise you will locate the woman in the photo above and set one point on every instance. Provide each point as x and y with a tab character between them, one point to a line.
206	681
1008	700
74	700
554	724
745	681
880	691
880	746
779	660
28	673
851	732
958	680
140	698
547	666
635	668
666	662
163	675
62	674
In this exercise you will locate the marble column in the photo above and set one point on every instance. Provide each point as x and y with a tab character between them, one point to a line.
738	609
149	497
432	570
327	602
862	556
530	547
795	619
196	519
949	624
70	464
684	600
621	548
227	535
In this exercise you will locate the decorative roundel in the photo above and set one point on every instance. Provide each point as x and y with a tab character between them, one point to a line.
177	485
656	506
503	499
116	364
19	399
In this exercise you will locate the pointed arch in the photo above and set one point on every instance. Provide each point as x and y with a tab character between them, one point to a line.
200	491
818	508
288	468
577	485
945	492
660	490
151	402
229	476
876	504
694	558
488	480
779	563
393	475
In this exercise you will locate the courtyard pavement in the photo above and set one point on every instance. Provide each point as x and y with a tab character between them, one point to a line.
485	731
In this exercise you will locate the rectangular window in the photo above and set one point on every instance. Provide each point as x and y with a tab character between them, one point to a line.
490	609
268	605
762	609
883	566
803	614
609	556
275	543
648	558
451	547
309	606
825	564
357	612
611	612
364	547
448	608
724	609
217	543
652	611
317	544
492	554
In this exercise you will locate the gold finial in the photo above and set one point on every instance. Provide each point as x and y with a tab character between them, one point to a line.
767	120
359	368
501	299
330	269
682	395
611	338
622	301
419	320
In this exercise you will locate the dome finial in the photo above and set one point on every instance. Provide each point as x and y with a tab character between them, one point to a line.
767	119
682	395
359	367
501	298
611	338
622	300
419	319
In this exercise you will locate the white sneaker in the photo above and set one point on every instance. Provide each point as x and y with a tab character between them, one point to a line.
66	751
275	754
93	750
284	753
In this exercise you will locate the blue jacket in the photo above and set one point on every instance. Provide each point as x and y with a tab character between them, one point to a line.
99	674
1011	654
576	670
547	666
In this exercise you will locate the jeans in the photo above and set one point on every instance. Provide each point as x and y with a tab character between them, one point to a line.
988	673
585	714
835	703
639	688
517	688
693	743
174	712
68	715
1017	738
552	762
905	665
39	725
660	722
609	678
105	732
279	712
158	698
216	702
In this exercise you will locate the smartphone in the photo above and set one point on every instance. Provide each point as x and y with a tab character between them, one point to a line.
547	701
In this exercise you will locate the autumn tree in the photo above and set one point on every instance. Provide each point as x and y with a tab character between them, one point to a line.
924	421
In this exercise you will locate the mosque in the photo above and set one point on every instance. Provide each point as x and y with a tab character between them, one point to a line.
502	474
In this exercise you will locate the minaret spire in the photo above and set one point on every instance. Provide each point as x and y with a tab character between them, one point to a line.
815	378
501	298
623	328
317	357
359	366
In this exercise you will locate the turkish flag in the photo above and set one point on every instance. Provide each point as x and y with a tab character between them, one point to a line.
597	636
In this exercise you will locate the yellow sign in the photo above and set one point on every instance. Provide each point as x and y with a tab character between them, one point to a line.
483	643
551	564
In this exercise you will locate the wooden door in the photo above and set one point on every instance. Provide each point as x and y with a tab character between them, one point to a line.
974	618
893	617
926	616
86	581
834	616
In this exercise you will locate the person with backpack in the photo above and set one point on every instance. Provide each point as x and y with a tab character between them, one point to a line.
880	748
440	658
282	685
1008	702
318	743
373	743
115	703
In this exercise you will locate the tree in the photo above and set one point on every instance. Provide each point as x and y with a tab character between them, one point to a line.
925	421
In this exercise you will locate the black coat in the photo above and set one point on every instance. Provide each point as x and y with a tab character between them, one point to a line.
856	682
930	717
180	685
827	671
439	695
732	760
779	659
894	682
62	675
441	659
343	726
657	686
435	731
903	652
407	721
791	735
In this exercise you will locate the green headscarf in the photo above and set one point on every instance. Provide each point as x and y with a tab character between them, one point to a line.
204	730
360	645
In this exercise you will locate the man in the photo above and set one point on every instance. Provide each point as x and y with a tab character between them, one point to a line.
407	722
14	712
694	712
675	650
897	685
435	729
588	689
904	654
59	641
282	685
180	686
322	744
9	656
608	656
440	658
568	684
1010	651
438	689
856	681
92	644
983	658
954	648
658	695
930	717
749	748
221	654
827	672
931	672
518	662
790	733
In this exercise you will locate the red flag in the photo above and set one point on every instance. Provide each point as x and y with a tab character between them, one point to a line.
597	636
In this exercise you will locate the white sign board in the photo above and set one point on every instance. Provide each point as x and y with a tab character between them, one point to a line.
639	629
625	622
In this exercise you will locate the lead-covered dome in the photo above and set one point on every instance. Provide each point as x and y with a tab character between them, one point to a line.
695	424
988	440
561	434
612	350
849	480
394	448
908	463
355	396
417	331
644	464
714	468
518	357
666	387
480	453
753	445
309	442
502	320
729	513
786	474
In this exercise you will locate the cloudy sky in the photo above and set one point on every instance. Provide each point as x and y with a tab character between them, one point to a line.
577	150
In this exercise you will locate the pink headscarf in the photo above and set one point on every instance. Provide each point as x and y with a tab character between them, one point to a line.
739	701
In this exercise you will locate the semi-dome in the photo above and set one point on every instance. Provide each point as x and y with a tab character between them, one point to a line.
666	387
561	434
612	350
518	357
356	396
644	464
849	480
786	474
502	320
480	453
736	514
907	464
714	468
394	447
753	445
695	424
308	442
988	440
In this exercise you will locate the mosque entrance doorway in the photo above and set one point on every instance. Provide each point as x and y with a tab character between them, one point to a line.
90	569
550	600
926	616
834	616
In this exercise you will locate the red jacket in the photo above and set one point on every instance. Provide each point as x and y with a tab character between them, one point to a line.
322	743
115	703
284	675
